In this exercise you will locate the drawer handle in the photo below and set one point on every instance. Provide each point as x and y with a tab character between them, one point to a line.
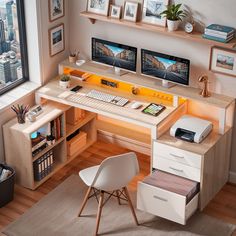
160	198
174	155
172	168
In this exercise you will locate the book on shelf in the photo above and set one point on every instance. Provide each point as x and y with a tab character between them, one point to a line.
217	38
219	35
219	29
56	128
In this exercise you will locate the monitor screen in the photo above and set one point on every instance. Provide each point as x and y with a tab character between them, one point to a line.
114	54
165	67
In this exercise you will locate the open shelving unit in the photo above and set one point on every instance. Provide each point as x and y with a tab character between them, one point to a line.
195	36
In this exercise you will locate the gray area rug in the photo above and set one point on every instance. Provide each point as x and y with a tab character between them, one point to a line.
56	214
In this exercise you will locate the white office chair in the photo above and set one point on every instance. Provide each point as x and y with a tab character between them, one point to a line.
111	177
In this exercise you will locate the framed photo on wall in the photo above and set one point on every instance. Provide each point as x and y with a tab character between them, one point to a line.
152	10
56	9
130	11
56	40
223	61
115	11
100	7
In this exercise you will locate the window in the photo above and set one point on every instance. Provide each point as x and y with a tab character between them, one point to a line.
13	49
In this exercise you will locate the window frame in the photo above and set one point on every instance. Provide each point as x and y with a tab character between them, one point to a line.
23	48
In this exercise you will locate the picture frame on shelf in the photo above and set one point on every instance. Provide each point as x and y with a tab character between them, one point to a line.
152	10
56	40
99	7
56	9
223	61
115	11
130	11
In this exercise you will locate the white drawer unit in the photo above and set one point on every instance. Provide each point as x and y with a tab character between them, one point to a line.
176	154
165	204
177	168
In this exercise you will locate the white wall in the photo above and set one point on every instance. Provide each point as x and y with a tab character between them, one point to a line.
206	12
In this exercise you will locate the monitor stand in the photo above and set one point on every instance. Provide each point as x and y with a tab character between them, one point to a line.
116	71
167	84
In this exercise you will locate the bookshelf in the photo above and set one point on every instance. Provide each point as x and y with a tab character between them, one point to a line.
34	169
195	36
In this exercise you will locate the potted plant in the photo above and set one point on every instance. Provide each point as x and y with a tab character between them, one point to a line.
64	81
174	15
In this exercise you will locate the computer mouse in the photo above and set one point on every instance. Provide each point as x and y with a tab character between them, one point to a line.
136	105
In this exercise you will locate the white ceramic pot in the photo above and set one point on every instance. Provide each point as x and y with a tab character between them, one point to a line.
64	84
172	24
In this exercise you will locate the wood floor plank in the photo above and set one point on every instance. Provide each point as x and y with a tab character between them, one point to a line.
223	206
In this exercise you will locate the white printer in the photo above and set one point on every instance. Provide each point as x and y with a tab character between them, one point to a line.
191	129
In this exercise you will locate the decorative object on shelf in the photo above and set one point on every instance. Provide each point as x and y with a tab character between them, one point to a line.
98	6
189	27
56	9
31	116
56	39
20	111
152	10
50	140
204	92
223	61
174	15
130	11
73	56
115	12
64	81
135	90
219	33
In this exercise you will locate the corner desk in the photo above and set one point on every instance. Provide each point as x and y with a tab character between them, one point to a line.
206	163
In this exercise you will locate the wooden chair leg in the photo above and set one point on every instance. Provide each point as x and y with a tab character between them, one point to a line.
130	205
84	201
118	198
100	205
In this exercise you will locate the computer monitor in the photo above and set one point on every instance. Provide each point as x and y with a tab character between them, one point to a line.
114	54
165	67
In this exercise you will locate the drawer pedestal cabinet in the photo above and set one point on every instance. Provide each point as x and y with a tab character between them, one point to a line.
206	163
18	143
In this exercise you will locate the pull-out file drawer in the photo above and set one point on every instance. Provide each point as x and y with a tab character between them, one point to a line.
176	168
164	203
176	154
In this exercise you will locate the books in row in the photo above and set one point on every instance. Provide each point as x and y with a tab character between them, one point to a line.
4	173
56	128
219	33
43	166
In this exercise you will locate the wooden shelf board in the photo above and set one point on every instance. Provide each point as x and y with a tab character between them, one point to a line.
72	128
47	149
195	36
124	132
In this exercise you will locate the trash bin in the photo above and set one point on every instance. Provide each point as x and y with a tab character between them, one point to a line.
7	187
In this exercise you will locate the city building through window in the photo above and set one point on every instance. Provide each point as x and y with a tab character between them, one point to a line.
13	49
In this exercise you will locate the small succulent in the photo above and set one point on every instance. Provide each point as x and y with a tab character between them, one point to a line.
174	13
65	78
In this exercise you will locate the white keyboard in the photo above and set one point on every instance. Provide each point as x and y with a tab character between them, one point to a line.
106	97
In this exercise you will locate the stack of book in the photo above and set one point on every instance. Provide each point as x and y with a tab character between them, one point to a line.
219	33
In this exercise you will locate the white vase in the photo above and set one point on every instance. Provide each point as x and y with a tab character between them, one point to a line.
172	24
64	84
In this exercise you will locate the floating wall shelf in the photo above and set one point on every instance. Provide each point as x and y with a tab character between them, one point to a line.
195	36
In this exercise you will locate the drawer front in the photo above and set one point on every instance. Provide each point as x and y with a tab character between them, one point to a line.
176	154
165	204
177	168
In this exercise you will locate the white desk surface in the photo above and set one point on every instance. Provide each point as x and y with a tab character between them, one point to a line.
52	91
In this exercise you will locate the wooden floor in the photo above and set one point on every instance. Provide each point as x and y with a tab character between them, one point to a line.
223	206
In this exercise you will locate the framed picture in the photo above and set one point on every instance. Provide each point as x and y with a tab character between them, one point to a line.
56	9
130	11
100	7
152	10
56	40
223	61
115	11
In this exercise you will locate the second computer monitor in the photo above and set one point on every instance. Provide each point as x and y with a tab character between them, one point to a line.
114	54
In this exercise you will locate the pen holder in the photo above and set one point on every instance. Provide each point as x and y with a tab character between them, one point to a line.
21	118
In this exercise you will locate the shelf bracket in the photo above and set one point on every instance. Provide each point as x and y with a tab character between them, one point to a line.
92	20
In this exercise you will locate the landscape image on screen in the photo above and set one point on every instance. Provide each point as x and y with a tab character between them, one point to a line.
165	68
114	56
